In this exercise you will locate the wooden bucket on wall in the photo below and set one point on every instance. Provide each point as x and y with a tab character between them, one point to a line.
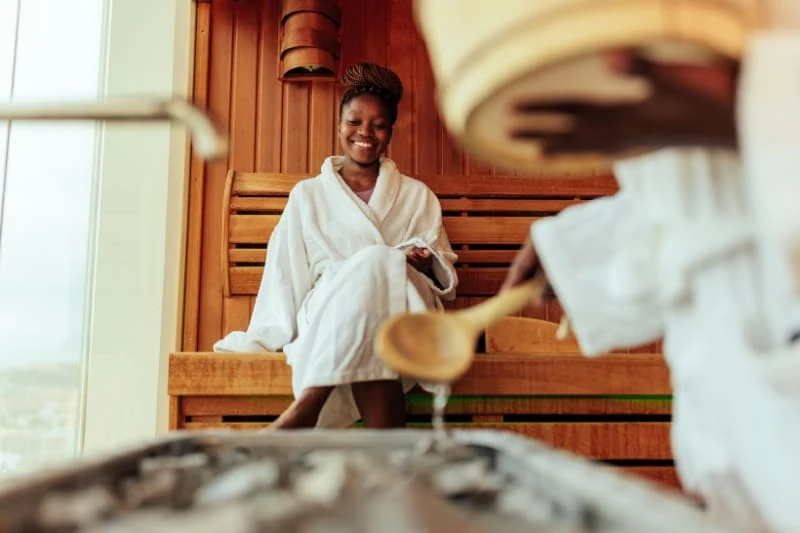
310	39
533	51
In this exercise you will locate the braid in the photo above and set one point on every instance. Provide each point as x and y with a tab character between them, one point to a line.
369	78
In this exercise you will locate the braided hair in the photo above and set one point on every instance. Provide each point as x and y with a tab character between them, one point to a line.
369	78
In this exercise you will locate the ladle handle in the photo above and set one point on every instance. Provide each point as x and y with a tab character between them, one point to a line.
484	314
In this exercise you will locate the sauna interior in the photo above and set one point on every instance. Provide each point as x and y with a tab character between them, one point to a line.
243	62
282	125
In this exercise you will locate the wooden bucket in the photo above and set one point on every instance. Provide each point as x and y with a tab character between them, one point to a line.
488	56
310	38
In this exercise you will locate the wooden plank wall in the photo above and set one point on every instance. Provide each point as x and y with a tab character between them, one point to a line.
291	127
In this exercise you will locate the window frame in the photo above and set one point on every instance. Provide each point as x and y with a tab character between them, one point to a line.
138	261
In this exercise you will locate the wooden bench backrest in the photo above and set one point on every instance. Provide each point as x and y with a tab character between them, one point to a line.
486	219
515	335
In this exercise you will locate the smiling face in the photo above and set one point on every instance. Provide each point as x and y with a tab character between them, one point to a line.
365	129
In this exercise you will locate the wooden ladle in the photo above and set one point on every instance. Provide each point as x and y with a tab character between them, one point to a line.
439	346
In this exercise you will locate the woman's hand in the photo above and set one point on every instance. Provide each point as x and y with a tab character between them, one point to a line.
524	266
420	258
690	105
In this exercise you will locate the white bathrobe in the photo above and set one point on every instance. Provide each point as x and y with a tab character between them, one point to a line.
682	251
336	269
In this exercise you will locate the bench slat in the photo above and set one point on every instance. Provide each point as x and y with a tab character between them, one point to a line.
251	229
495	230
486	257
606	441
497	206
467	205
478	257
566	374
247	255
482	281
517	186
256	229
265	183
277	184
666	475
207	373
524	335
420	403
258	203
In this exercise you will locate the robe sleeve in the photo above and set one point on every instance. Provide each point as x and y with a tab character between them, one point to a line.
769	126
284	285
434	237
600	259
443	267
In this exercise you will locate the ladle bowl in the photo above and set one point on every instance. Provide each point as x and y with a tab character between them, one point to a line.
439	346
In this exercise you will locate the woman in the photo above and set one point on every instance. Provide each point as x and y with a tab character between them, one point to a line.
355	245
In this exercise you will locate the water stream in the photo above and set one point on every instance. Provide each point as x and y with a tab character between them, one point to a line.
441	394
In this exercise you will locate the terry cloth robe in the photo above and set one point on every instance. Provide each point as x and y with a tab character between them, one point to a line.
669	255
695	248
336	269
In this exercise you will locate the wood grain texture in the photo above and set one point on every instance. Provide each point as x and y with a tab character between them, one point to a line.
613	407
606	441
662	475
419	403
225	374
487	230
244	98
401	45
484	228
268	113
207	373
289	127
210	318
174	414
524	335
624	374
454	185
194	226
639	448
481	281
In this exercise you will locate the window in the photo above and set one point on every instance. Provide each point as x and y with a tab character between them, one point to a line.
109	196
48	51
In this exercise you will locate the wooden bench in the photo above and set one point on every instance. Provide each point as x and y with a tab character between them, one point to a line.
615	408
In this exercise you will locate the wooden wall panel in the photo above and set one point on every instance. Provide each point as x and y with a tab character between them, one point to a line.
427	129
268	113
220	67
291	127
195	201
401	42
244	98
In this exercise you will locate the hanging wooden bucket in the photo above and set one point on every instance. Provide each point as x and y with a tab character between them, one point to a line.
537	51
310	38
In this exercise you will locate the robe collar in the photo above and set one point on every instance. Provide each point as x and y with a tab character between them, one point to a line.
384	195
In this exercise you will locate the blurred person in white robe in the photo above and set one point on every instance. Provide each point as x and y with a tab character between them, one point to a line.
355	245
701	246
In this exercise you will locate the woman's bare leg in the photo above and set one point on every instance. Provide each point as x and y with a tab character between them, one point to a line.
381	403
304	411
